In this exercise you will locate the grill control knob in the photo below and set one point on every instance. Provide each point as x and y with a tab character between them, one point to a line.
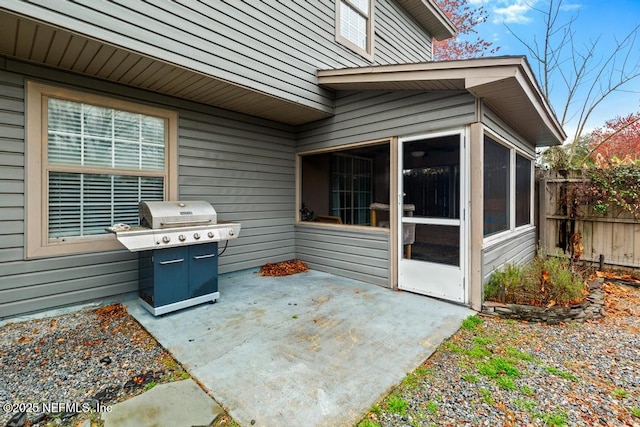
210	234
196	236
182	238
231	233
166	239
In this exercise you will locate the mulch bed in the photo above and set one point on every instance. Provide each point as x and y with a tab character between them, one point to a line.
284	268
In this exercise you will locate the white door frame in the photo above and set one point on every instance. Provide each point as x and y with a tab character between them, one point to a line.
439	276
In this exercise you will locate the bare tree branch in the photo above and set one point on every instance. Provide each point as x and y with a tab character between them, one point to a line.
586	78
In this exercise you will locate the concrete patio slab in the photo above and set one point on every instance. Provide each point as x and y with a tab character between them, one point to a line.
312	349
180	403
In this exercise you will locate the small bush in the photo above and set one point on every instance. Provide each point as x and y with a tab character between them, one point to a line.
547	280
502	283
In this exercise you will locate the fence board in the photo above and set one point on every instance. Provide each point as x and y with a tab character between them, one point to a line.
616	235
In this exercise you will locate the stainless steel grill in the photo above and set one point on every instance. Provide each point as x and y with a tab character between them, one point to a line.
179	223
177	246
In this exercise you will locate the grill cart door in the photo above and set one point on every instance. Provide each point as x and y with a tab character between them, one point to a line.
203	269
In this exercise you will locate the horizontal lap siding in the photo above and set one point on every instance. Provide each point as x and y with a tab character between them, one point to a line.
398	38
247	172
271	47
517	250
365	116
242	165
11	167
357	254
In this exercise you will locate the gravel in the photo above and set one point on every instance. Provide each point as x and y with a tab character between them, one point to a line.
90	356
578	374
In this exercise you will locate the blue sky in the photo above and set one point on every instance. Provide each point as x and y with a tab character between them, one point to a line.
595	18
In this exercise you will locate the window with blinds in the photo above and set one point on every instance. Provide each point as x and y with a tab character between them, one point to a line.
113	145
354	22
91	160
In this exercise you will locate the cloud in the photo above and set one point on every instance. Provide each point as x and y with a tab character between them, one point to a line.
570	6
514	13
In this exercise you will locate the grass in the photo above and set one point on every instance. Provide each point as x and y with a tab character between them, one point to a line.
471	323
496	365
506	383
619	393
560	373
554	419
527	391
486	396
514	352
470	378
526	405
368	423
397	405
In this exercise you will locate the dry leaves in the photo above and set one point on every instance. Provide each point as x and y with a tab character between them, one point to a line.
283	268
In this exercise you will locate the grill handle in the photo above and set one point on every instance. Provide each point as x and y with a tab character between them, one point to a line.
204	256
179	223
173	261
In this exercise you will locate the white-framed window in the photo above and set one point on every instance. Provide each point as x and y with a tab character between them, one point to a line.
507	188
354	25
90	160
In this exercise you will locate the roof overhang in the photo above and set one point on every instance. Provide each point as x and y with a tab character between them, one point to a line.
506	84
430	17
31	41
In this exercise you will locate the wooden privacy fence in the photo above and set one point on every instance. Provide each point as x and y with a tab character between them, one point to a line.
612	238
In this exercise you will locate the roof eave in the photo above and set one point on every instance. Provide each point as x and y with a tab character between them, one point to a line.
525	109
429	15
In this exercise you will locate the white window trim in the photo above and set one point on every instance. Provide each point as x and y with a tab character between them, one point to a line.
512	231
368	52
37	243
531	191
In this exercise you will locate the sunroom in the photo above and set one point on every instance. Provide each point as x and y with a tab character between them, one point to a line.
423	179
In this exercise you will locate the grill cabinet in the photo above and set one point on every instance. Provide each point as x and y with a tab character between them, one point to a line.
174	278
177	245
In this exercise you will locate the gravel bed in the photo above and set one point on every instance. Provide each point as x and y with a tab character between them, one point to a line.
84	358
496	372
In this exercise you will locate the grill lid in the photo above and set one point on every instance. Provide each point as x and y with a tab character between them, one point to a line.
176	214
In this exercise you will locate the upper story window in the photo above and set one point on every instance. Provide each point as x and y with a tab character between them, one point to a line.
91	159
354	25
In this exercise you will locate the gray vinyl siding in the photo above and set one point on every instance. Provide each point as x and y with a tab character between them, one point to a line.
357	254
11	167
398	38
366	116
519	249
271	47
242	165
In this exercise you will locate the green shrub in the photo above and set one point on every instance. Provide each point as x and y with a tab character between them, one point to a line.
502	282
545	280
